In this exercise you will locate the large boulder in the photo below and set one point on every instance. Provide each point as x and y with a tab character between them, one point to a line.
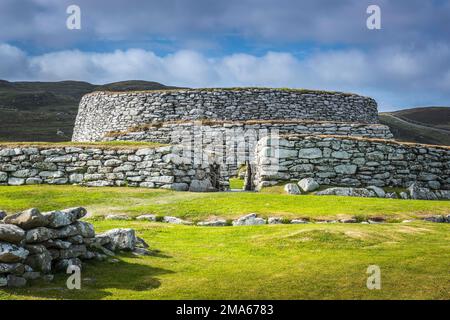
419	193
308	184
249	220
63	264
13	268
27	219
65	217
292	188
66	232
201	186
40	262
73	251
85	229
175	220
11	253
16	282
213	223
347	191
378	191
40	234
120	239
11	233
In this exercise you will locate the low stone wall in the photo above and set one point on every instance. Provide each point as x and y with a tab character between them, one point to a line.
102	112
34	245
163	167
346	161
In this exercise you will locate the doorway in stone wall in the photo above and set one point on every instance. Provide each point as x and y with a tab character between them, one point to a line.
215	176
249	177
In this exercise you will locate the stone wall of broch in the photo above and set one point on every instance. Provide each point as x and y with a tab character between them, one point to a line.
231	143
164	167
350	161
103	112
332	137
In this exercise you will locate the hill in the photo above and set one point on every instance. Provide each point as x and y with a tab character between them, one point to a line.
429	125
37	111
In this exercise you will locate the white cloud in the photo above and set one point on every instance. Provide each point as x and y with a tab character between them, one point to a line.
392	75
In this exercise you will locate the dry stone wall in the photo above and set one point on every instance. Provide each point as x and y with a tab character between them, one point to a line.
233	143
173	132
163	167
346	161
103	112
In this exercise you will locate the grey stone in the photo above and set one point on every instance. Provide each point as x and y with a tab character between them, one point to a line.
27	219
310	153
146	217
201	186
16	282
175	220
121	239
275	220
298	221
213	223
63	264
436	218
420	193
117	217
347	191
40	262
346	169
13	268
31	275
292	188
11	253
308	184
378	191
65	217
85	229
40	234
11	233
249	220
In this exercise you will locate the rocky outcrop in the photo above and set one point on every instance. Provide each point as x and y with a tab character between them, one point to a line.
35	245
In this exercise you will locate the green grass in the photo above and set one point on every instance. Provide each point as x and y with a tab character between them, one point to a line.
198	206
313	261
236	183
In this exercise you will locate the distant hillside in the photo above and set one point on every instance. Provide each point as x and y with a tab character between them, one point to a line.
37	111
429	125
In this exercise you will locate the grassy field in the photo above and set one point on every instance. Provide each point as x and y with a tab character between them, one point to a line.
197	206
313	261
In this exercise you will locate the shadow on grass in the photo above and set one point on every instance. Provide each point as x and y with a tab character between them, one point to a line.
99	280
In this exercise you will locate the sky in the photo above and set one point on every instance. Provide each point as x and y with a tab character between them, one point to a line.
321	44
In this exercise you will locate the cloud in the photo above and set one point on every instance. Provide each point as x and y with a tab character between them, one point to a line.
270	22
396	76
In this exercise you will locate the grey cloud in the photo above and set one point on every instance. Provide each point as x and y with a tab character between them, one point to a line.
326	21
396	76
